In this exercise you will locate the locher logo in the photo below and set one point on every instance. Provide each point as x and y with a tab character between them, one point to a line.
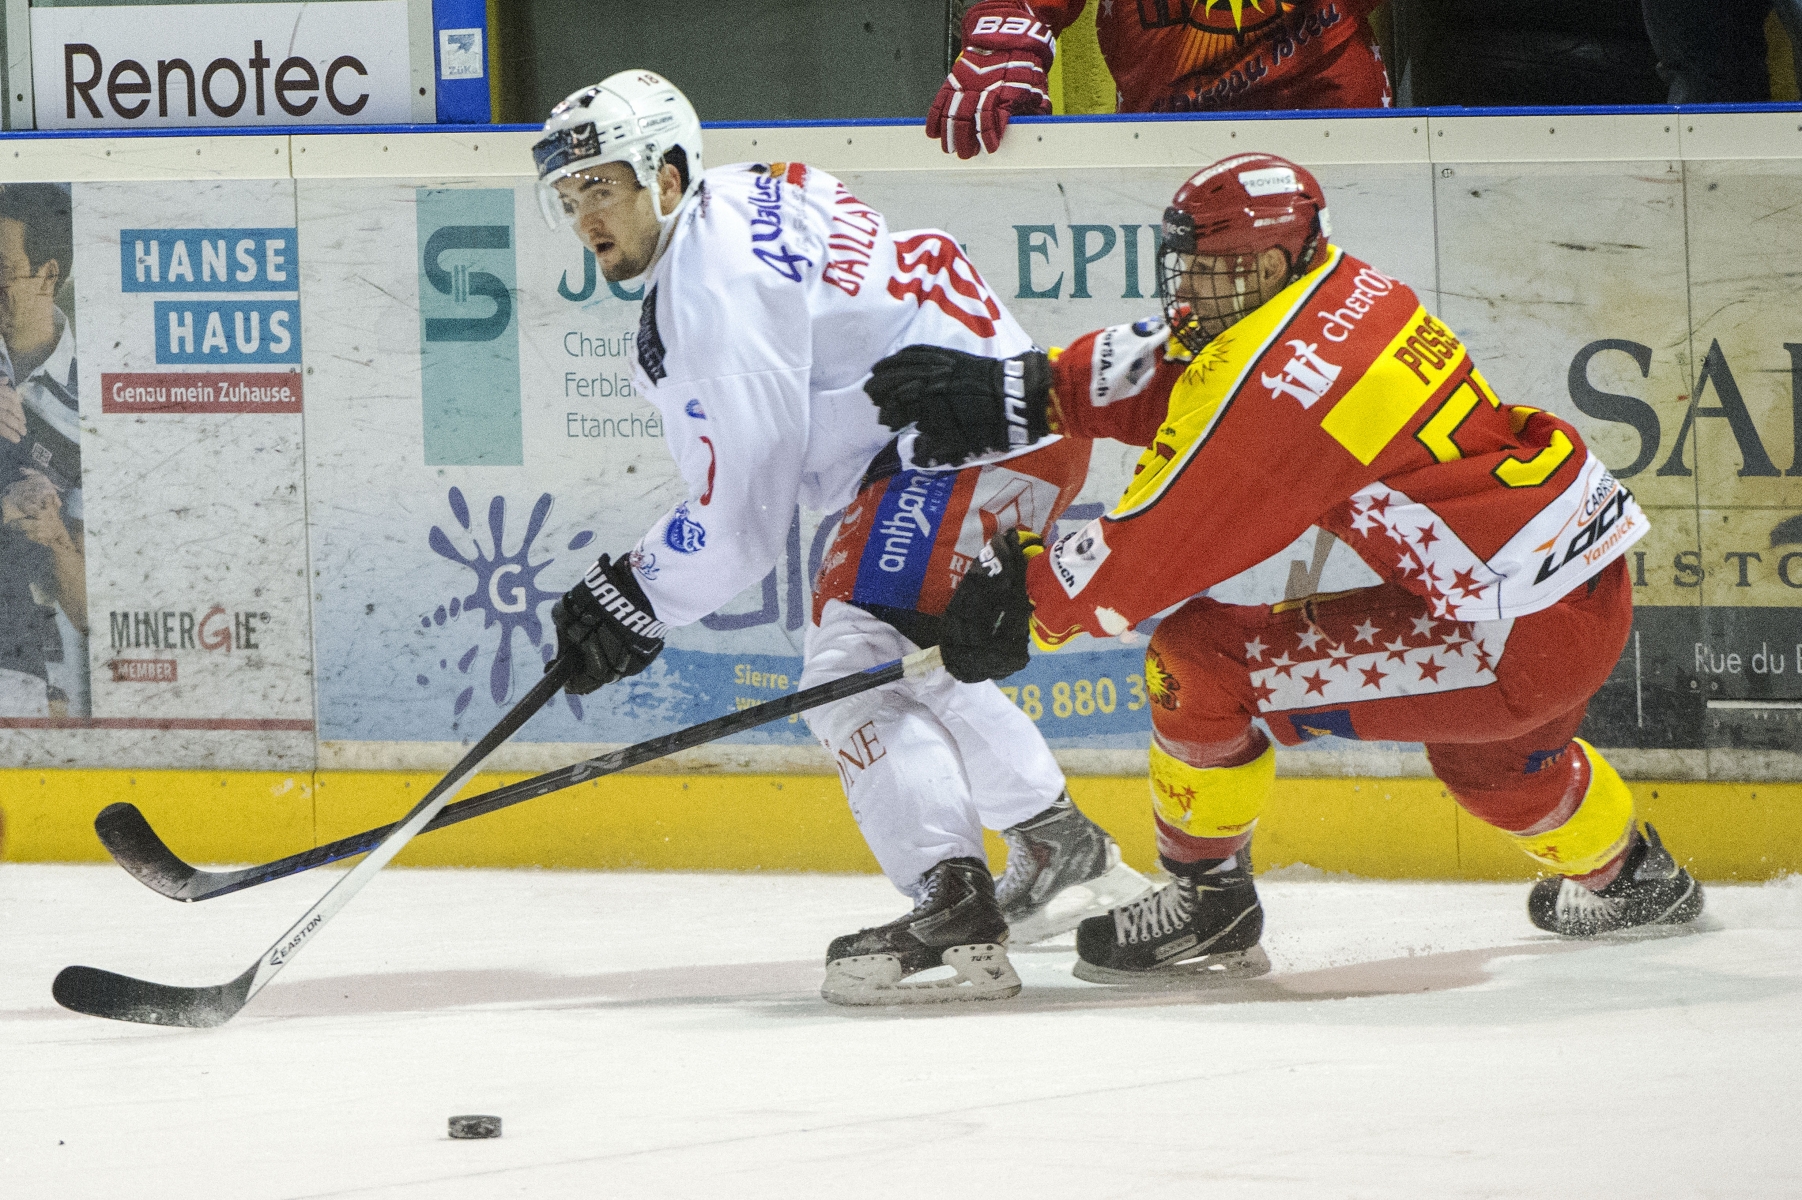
1307	377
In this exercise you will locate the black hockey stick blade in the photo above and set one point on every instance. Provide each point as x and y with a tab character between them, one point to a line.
100	993
117	997
134	845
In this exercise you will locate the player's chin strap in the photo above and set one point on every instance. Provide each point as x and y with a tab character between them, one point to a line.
1309	249
667	224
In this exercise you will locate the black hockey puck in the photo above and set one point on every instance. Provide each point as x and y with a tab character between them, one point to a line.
475	1127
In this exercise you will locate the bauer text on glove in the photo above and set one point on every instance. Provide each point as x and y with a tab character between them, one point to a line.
607	624
964	405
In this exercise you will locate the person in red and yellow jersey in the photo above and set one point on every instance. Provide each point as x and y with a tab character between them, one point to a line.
1165	56
1289	385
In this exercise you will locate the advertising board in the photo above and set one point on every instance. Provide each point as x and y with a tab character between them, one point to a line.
139	66
344	441
155	572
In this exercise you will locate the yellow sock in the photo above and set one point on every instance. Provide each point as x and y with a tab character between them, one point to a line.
1596	832
1210	802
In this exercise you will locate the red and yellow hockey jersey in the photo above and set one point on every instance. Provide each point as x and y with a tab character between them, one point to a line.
1340	403
1212	55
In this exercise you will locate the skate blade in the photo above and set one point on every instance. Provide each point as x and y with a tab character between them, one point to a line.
1194	972
983	973
1118	885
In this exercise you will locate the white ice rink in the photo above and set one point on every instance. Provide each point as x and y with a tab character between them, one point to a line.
661	1035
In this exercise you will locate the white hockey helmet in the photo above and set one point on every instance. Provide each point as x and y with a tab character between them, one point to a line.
635	117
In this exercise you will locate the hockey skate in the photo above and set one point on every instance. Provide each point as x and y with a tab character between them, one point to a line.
1199	927
1062	868
1650	890
956	924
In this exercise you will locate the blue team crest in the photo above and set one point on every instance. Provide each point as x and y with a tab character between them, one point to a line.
684	534
693	408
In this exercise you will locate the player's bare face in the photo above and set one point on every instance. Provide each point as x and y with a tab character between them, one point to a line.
613	216
1221	290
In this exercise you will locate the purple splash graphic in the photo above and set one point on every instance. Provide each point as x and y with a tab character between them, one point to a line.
506	593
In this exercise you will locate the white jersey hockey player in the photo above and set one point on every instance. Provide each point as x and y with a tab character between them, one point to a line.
769	292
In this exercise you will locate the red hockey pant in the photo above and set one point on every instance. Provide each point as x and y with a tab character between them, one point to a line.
1495	702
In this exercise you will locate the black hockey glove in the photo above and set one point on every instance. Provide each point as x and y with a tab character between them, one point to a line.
963	404
987	627
607	624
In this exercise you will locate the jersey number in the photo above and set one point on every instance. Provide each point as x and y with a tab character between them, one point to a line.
1438	435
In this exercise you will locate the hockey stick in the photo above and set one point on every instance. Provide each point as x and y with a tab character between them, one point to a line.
125	999
122	998
134	845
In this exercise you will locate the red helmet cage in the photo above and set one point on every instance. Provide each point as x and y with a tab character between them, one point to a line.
1240	207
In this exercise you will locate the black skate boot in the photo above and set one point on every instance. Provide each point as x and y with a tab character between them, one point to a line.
1650	890
955	924
1200	925
1061	869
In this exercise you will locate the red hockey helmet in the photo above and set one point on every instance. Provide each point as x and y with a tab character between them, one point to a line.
1217	229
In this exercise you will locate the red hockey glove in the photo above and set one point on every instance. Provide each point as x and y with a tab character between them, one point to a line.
1001	72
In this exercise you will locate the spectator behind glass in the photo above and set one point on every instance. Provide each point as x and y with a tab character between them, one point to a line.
43	579
1165	56
1715	53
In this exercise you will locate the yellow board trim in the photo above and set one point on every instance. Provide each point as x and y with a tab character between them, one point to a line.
1401	379
1373	828
1210	802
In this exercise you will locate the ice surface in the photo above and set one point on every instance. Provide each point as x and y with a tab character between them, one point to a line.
661	1035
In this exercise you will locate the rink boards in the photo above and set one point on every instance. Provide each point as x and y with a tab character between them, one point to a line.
1378	828
351	416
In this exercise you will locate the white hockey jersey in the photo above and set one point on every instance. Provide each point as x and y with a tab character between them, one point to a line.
777	293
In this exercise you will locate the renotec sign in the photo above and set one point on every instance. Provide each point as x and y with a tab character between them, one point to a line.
139	66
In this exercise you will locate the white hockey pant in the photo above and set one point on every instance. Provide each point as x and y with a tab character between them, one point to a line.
926	763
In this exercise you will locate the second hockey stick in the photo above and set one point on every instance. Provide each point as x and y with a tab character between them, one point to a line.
129	838
122	998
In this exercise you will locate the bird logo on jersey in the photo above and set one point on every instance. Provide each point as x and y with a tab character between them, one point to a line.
1160	684
1228	17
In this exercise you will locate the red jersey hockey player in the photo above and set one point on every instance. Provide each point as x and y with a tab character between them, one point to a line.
1165	56
1292	385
